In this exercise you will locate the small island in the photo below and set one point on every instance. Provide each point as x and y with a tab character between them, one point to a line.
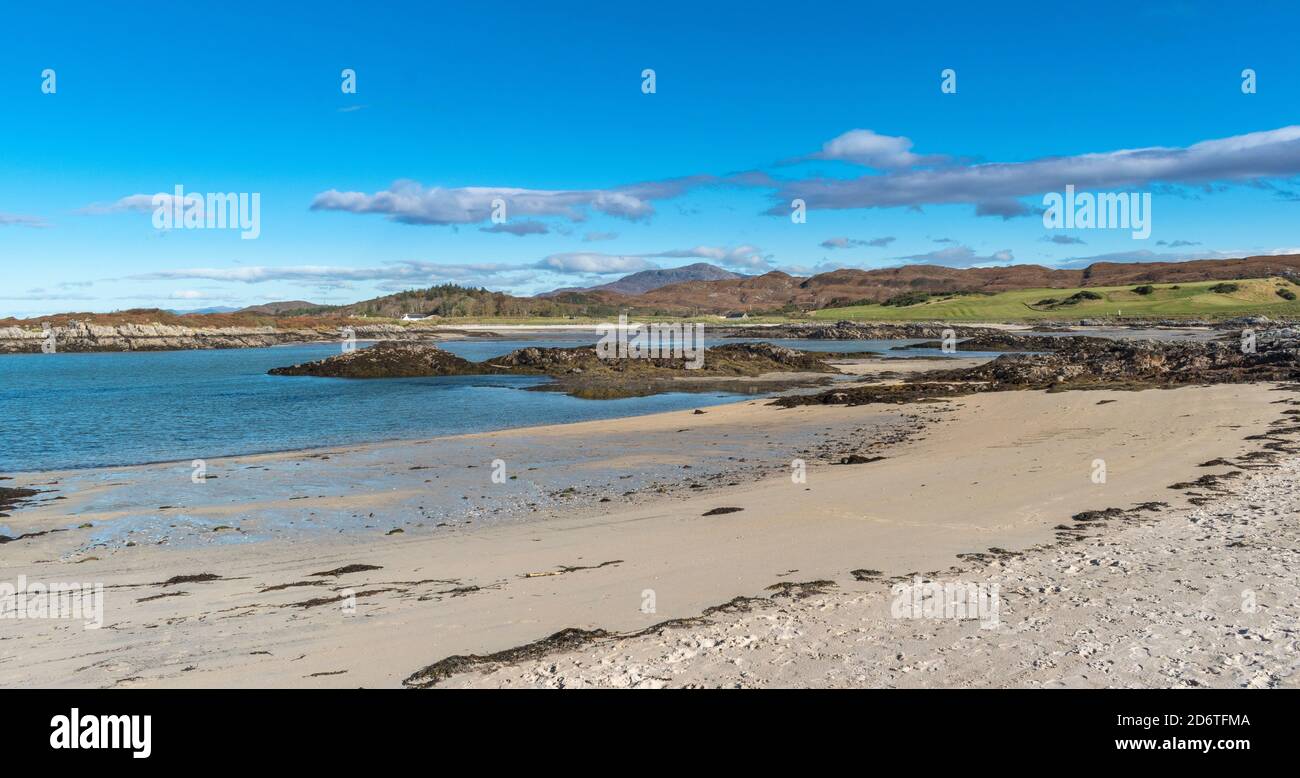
582	372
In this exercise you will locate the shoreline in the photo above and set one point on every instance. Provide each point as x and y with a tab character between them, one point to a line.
968	480
401	465
89	338
850	371
21	475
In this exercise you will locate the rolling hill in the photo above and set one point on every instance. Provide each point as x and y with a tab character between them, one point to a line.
777	291
1198	299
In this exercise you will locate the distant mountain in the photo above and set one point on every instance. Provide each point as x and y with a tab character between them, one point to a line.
286	306
650	280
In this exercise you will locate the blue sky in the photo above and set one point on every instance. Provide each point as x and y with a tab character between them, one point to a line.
543	108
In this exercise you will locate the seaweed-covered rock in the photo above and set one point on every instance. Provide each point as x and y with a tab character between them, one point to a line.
581	371
388	359
1089	363
732	359
12	497
1083	363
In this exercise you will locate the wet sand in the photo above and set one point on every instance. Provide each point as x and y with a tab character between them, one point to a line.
958	477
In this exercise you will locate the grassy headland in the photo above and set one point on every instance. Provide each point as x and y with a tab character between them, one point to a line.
1199	299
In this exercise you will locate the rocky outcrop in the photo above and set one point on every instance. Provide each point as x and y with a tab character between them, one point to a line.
86	337
1005	341
1087	363
393	359
1091	363
732	359
582	372
389	359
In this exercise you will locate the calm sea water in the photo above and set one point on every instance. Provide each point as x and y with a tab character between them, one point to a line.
62	411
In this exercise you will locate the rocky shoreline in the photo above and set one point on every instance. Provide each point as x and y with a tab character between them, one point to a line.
87	336
84	337
1090	363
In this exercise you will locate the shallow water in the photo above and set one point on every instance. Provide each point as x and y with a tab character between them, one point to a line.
63	411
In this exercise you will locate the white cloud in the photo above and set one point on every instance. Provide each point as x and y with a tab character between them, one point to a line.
593	262
865	147
740	256
410	202
994	187
415	271
960	256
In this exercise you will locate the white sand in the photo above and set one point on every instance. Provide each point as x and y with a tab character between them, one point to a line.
1199	597
998	470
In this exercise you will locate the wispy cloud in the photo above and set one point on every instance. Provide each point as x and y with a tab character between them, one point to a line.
15	220
407	274
993	187
594	262
518	229
1062	240
413	271
135	203
1006	209
744	256
852	243
960	256
410	202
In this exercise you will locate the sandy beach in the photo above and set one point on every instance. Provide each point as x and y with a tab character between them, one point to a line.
267	603
1191	597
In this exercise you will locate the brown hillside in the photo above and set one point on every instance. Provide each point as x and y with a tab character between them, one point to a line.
842	287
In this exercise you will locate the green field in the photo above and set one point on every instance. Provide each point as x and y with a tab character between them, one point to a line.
1193	299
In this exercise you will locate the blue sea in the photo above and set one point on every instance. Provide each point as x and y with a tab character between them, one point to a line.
63	411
